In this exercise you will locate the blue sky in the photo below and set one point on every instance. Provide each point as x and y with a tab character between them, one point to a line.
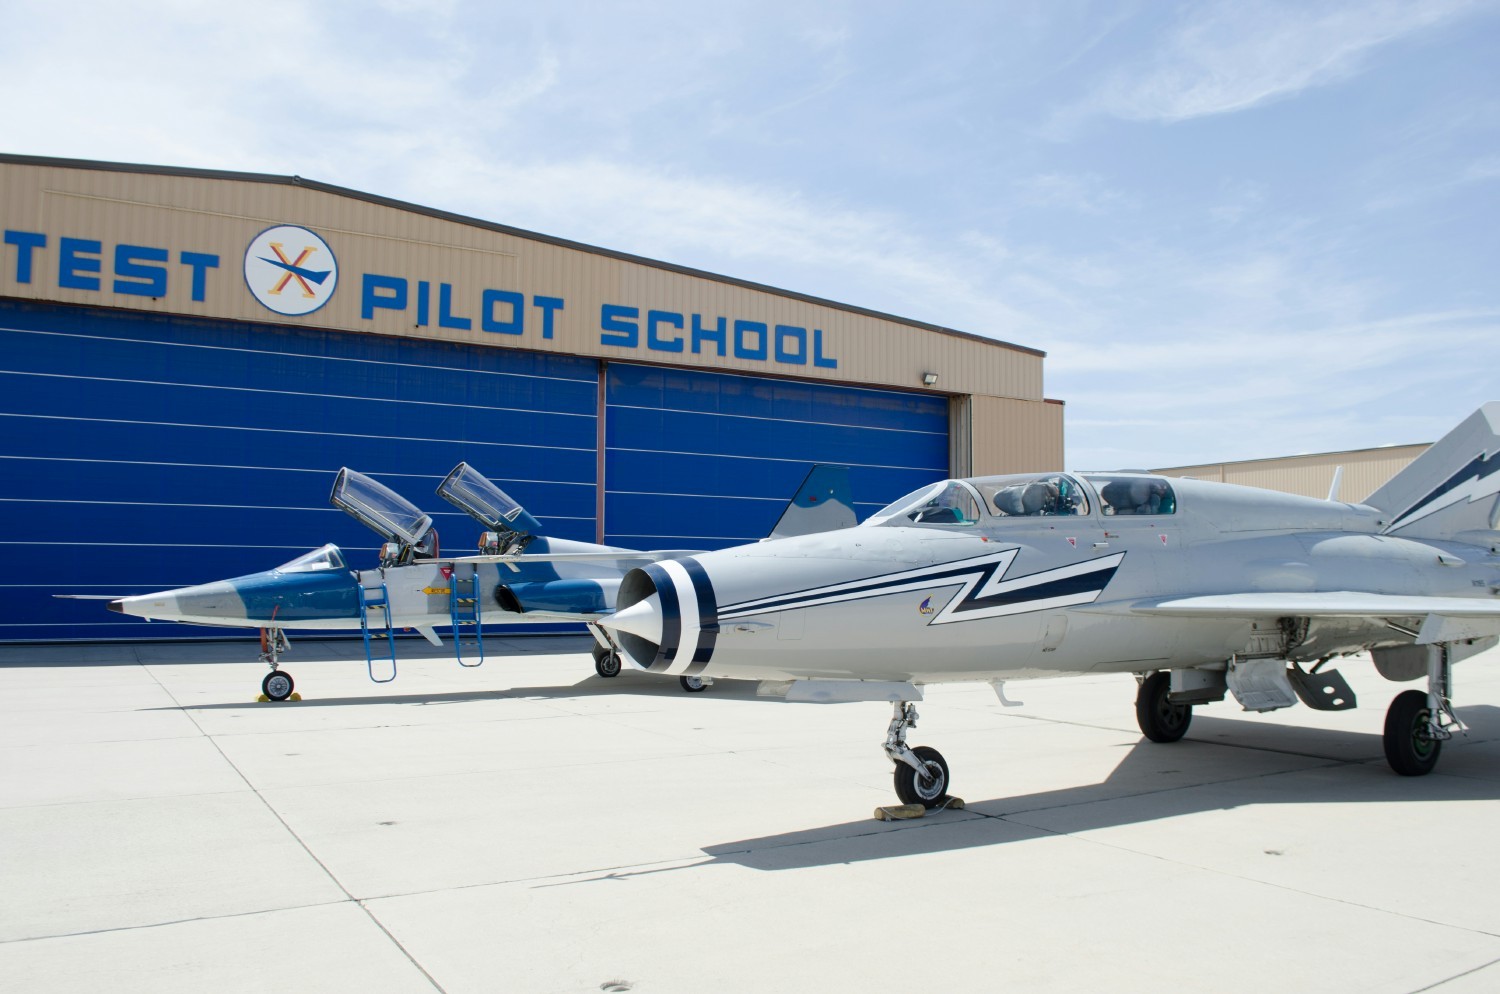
1238	229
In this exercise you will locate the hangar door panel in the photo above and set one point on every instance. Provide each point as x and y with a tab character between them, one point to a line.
707	460
141	453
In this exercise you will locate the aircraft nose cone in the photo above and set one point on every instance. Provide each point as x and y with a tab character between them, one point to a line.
642	619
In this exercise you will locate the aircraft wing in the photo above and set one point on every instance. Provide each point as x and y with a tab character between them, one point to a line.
1443	618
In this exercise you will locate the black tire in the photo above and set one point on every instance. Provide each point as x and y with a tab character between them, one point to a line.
692	684
606	662
928	791
277	686
1409	746
1159	718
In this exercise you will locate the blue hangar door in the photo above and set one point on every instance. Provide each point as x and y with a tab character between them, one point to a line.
140	452
697	460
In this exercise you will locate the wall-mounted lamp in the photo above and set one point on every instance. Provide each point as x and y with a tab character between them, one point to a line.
929	379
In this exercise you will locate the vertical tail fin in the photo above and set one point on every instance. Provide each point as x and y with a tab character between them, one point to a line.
1452	487
823	503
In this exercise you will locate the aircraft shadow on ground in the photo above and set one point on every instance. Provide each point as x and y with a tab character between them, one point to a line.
1141	789
625	685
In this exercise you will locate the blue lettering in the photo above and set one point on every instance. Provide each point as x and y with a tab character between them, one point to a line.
616	329
655	319
200	263
743	351
517	303
547	305
25	242
719	334
386	292
796	334
818	357
140	280
75	260
446	318
424	298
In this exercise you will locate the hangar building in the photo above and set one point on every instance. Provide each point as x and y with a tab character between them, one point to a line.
190	356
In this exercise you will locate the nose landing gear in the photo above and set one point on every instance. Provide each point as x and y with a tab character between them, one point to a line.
921	774
278	685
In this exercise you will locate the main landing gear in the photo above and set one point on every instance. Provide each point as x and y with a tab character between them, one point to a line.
1161	719
921	775
278	685
1417	724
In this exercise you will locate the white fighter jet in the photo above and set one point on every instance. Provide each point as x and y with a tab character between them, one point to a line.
520	575
1199	589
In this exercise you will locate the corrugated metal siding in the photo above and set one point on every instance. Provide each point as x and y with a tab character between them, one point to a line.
140	453
1014	436
705	460
221	216
1365	471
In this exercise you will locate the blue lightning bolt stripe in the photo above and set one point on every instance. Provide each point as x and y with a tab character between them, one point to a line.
985	592
316	275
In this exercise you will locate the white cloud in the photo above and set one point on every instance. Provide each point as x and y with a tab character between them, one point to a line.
1235	54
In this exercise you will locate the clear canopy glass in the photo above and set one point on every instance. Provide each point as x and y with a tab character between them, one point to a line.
468	489
326	557
379	508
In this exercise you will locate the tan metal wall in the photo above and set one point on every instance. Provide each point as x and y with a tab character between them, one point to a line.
221	214
1365	471
1015	436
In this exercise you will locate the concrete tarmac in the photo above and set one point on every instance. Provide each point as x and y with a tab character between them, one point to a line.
529	827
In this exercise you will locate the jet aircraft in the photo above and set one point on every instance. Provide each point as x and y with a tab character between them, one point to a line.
1200	589
520	575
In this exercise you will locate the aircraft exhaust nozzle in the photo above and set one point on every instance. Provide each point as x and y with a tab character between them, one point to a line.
666	617
114	606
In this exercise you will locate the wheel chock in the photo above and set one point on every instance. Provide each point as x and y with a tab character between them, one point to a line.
899	812
262	699
902	812
295	696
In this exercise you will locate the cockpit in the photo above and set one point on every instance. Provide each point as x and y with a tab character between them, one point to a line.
1029	495
326	557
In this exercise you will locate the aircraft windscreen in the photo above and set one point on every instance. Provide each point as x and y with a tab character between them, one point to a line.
379	508
950	502
1033	495
327	557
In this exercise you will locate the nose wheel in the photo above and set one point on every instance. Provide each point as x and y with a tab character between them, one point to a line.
606	662
921	774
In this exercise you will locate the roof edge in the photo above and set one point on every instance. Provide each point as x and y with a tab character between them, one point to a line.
433	212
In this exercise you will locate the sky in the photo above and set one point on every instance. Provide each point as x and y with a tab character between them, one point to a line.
1238	229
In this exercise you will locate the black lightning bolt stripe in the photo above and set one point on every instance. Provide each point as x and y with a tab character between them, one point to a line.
1481	466
976	575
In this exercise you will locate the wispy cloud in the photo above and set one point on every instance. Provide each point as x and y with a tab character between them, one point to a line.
1233	55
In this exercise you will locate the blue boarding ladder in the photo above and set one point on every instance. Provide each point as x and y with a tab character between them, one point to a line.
377	598
463	611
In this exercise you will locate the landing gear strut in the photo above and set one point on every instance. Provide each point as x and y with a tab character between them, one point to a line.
1417	724
277	686
921	775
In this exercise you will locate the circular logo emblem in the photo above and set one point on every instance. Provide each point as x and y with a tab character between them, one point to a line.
290	270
